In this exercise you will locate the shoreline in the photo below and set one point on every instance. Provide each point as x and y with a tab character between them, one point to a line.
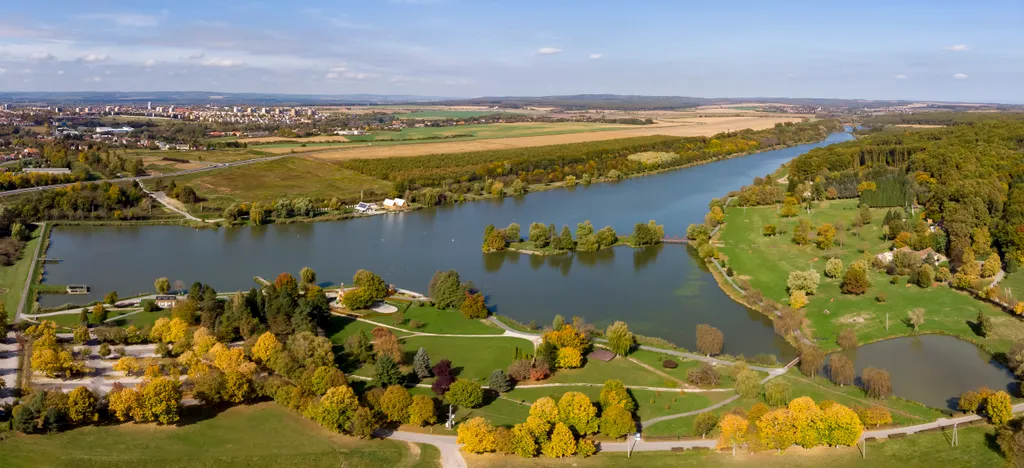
346	216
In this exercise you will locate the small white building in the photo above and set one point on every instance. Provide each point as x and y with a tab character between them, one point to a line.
394	204
166	302
363	207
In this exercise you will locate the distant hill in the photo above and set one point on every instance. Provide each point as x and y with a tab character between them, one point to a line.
207	97
628	102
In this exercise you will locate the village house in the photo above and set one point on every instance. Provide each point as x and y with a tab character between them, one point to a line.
394	204
166	302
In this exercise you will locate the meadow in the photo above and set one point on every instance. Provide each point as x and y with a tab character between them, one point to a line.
767	261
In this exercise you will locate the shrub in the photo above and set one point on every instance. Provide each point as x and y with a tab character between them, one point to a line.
833	268
943	274
797	299
855	281
704	374
847	339
710	340
777	392
465	393
704	423
925	276
806	281
876	382
669	364
499	381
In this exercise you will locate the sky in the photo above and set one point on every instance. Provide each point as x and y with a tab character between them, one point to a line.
894	49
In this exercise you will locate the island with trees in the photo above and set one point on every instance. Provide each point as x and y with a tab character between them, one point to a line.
547	240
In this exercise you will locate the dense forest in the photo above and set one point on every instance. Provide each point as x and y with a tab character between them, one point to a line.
968	177
578	161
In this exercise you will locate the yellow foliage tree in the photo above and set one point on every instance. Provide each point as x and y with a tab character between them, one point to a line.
477	435
422	411
202	341
82	406
875	416
238	388
336	408
266	347
805	416
577	412
562	443
798	299
777	430
733	430
176	331
124	403
567	337
545	409
161	398
569	358
156	334
523	441
840	426
227	359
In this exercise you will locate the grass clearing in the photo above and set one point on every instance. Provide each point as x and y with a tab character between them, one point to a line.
434	320
262	435
286	177
212	156
341	328
598	372
653	157
650	403
472	358
13	278
923	450
767	261
904	412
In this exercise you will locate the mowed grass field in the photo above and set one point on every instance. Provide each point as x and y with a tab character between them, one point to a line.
484	131
924	450
767	261
285	177
261	435
449	114
13	278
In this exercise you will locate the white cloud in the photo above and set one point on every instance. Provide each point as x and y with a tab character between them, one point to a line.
332	75
901	77
549	50
960	76
346	24
2	71
196	56
596	56
41	56
94	58
149	63
223	63
60	72
94	79
957	48
131	20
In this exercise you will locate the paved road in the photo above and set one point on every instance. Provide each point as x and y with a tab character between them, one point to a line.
140	178
451	457
28	281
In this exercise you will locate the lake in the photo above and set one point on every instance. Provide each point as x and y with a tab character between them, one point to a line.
933	369
662	291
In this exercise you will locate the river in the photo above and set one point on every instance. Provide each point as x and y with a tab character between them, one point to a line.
662	291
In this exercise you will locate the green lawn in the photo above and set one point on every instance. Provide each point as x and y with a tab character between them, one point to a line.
292	176
434	320
472	358
341	328
499	412
480	132
925	450
216	156
598	372
12	278
655	360
263	435
683	427
650	403
767	261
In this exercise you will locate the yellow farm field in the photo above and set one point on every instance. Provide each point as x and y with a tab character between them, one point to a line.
703	126
316	139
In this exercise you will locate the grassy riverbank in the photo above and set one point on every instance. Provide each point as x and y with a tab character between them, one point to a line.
14	277
261	435
767	261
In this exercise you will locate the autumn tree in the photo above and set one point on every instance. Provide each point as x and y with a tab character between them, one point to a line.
82	404
806	281
840	370
876	382
616	422
569	358
386	344
614	393
578	413
266	347
395	403
99	313
477	436
811	360
875	416
710	340
422	411
562	443
855	281
833	267
801	233
999	408
444	377
733	431
161	398
970	401
847	339
839	426
915	318
371	283
620	339
826	236
335	409
777	392
474	306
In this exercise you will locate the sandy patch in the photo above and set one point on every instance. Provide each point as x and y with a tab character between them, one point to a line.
701	126
857	318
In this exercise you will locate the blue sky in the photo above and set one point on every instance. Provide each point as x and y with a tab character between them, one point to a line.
934	50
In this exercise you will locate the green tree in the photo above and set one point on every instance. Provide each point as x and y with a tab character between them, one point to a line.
620	339
386	372
584	229
777	392
110	298
373	284
512	232
565	240
748	384
865	214
984	324
539	235
421	364
704	423
99	313
499	381
82	404
307	275
465	393
446	289
802	232
162	285
607	237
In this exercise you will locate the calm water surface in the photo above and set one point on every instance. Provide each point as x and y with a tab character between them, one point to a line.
933	369
660	291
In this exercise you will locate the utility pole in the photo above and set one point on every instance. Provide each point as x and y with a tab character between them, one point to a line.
955	441
886	321
451	421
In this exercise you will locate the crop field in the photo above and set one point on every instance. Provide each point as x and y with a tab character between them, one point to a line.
448	114
486	131
272	139
212	156
270	180
705	126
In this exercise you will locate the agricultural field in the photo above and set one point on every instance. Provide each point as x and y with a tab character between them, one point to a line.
448	114
285	177
767	261
260	435
495	140
484	131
